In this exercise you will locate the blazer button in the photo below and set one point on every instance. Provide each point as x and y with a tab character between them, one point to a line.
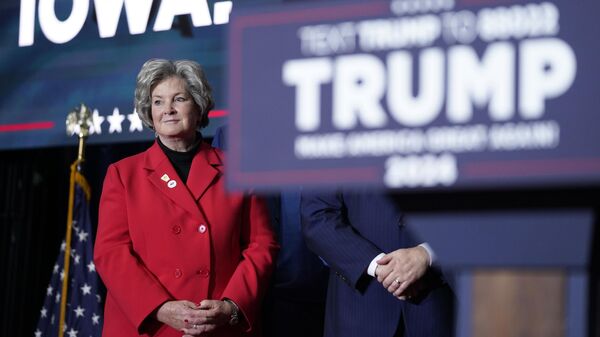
176	229
202	228
177	273
204	272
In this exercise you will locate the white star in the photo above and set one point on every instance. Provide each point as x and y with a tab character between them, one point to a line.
91	267
44	312
79	312
135	123
76	258
95	319
72	333
96	125
86	289
82	236
57	297
63	245
49	291
55	271
38	333
62	274
115	121
98	298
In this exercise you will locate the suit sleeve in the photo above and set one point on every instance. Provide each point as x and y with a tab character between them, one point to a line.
136	291
329	234
259	248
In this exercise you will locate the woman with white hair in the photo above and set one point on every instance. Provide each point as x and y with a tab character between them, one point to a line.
177	252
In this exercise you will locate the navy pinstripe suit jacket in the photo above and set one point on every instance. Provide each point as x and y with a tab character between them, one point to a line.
348	230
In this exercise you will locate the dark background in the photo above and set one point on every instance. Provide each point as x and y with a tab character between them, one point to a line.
34	191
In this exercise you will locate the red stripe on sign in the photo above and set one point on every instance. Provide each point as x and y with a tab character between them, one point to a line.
217	113
26	126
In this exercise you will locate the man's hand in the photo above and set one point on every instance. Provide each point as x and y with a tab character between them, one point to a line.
399	269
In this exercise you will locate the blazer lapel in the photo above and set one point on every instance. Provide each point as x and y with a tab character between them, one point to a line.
167	181
206	167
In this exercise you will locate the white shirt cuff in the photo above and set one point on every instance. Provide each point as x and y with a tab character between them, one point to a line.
373	265
432	257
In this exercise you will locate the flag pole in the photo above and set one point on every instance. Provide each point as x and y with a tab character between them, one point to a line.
77	122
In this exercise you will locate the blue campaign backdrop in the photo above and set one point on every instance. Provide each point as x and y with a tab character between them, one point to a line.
53	58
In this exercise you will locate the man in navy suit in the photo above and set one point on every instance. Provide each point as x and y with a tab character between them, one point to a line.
381	281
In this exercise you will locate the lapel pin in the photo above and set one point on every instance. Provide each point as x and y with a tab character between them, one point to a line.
165	177
172	183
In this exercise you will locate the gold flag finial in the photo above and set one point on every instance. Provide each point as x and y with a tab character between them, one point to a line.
78	122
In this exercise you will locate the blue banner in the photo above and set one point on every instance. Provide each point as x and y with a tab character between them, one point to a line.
408	94
57	54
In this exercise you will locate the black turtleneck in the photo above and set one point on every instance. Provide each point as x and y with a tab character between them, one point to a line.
181	161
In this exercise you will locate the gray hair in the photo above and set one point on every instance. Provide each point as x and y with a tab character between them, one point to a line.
155	71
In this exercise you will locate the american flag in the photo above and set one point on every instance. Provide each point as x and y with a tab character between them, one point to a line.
83	315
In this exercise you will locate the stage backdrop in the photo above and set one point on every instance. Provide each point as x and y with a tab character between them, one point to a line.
415	94
56	54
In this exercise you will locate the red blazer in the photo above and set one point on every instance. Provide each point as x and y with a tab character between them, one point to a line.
158	242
